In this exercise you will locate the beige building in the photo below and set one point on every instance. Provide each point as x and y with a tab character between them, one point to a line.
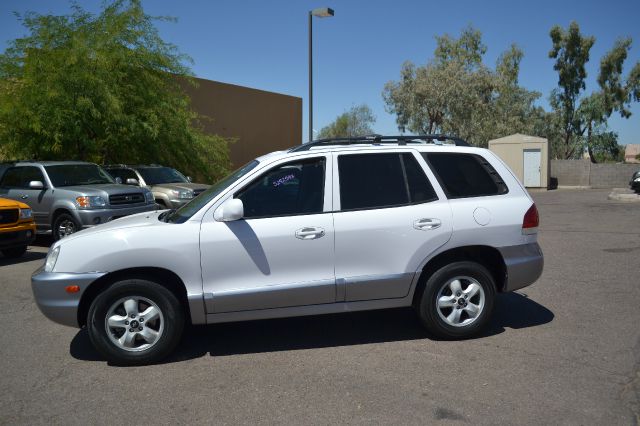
260	121
527	156
630	152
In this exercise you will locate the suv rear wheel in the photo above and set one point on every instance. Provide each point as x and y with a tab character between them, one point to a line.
457	300
135	322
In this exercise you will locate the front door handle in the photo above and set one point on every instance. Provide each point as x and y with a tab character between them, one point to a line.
24	196
427	224
310	233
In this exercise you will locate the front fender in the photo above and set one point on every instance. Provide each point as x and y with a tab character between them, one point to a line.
168	246
63	204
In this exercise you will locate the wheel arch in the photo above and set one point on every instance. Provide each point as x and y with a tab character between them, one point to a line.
161	276
487	256
58	211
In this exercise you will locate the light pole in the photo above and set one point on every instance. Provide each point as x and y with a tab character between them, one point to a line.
322	12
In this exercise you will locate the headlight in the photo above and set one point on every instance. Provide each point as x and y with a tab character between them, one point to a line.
148	196
185	194
52	258
25	213
88	202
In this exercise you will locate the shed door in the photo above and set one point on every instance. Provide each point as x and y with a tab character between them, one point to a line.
532	159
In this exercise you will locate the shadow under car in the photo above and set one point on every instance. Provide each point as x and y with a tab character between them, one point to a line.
512	310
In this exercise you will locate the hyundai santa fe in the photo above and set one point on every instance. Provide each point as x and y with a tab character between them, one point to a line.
329	226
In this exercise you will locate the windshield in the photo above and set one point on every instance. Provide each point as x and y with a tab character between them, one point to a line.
77	174
157	175
185	212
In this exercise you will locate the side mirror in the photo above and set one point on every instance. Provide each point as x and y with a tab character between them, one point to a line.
118	180
132	181
36	184
229	211
189	178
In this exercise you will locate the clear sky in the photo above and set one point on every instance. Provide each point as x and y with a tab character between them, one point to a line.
263	44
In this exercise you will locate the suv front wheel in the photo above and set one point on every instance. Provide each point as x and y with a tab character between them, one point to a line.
457	300
135	322
64	225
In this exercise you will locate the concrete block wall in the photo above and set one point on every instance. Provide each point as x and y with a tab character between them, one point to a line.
612	175
584	173
570	172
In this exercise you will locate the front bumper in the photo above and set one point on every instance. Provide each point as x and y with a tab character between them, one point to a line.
54	301
17	236
524	265
89	218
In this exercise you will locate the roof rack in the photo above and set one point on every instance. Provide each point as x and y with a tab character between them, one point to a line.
436	139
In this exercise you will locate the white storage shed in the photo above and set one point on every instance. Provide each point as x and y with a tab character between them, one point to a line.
527	156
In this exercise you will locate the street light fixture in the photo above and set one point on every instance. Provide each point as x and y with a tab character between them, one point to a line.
322	12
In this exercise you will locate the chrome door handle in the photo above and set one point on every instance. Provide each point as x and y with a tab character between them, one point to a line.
310	233
427	224
24	196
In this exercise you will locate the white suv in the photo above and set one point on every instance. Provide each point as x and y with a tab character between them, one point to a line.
329	226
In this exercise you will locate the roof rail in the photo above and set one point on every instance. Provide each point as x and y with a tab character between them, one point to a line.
436	139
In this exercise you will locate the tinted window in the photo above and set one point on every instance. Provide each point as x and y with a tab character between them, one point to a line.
12	178
19	177
420	189
156	175
77	174
30	174
291	189
465	175
382	180
123	174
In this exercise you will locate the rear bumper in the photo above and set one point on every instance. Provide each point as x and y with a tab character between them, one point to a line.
89	218
52	298
524	265
18	236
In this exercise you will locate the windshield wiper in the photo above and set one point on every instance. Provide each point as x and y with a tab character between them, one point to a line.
165	215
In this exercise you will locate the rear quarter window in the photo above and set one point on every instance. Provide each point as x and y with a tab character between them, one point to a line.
465	175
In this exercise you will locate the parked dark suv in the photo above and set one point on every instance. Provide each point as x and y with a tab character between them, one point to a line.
67	196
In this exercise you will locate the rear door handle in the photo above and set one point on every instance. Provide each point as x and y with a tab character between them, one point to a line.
310	233
427	224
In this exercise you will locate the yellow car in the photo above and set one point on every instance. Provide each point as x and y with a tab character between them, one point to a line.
17	228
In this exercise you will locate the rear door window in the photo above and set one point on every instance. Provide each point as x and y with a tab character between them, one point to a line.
369	181
12	178
465	175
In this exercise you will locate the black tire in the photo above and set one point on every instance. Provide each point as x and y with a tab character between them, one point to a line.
14	252
166	302
61	218
428	306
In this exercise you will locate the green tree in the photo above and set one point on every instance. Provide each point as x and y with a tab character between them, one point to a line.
456	93
355	122
103	88
583	119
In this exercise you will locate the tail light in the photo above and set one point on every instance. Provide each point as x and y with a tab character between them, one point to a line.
531	220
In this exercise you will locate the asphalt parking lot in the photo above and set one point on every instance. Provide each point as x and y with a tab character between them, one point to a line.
563	351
